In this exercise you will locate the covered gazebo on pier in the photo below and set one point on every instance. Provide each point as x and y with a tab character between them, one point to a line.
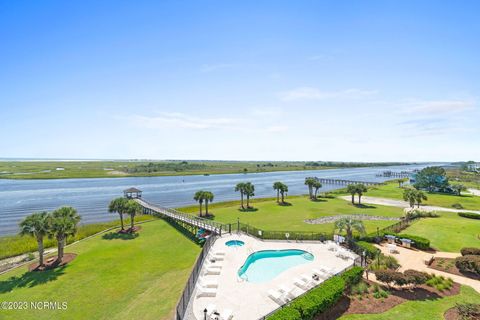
132	193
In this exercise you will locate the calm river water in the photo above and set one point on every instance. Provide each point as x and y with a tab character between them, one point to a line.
19	198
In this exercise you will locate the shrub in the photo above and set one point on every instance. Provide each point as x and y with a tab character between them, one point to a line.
439	282
468	263
469	215
468	310
418	242
416	277
457	206
470	251
383	262
316	301
370	250
360	288
352	276
287	313
389	277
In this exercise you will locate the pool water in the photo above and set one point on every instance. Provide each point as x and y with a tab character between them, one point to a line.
262	266
234	243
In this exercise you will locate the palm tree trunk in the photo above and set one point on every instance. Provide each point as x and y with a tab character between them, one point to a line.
59	249
40	251
353	198
278	194
248	201
121	221
200	209
283	198
241	199
359	198
206	208
132	222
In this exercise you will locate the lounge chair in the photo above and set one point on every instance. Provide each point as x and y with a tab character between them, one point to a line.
276	296
206	283
219	253
287	292
213	271
301	283
320	273
206	292
227	314
328	270
212	257
209	264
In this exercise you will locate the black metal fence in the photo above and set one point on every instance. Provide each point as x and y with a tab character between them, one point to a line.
190	286
397	227
280	235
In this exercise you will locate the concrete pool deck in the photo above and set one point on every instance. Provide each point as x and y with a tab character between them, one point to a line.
250	300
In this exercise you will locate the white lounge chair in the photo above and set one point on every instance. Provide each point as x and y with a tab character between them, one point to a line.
213	271
206	292
219	253
287	292
328	270
320	273
276	296
208	283
212	257
217	264
227	314
301	283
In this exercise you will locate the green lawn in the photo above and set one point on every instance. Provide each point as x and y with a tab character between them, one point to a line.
449	232
139	278
392	191
420	310
271	216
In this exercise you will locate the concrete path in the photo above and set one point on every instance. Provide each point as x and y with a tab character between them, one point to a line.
474	192
411	259
404	204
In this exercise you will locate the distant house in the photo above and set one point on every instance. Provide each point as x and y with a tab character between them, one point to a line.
474	167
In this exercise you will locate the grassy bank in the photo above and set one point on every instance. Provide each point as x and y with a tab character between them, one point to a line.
112	169
15	245
111	278
392	191
432	309
268	215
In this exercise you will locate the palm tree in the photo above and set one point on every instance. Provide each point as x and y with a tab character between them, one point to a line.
458	188
64	223
309	181
132	208
352	189
283	191
400	182
208	197
361	189
410	196
118	205
36	225
240	187
276	186
419	197
199	196
349	225
249	192
316	185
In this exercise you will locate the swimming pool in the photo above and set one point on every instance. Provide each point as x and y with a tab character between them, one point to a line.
234	243
262	266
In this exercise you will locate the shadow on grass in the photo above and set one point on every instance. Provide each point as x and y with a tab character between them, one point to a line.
121	236
284	204
186	232
364	206
319	200
250	209
31	279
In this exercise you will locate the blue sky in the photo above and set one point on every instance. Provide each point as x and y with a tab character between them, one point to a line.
263	80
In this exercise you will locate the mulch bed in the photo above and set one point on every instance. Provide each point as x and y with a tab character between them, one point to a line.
448	265
452	314
129	230
51	262
371	305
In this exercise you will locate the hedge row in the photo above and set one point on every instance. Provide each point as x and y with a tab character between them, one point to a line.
418	242
320	299
470	251
370	250
470	215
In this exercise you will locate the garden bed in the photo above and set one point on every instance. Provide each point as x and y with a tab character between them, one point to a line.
448	265
51	262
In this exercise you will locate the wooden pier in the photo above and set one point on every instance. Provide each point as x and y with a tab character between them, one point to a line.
183	218
393	174
346	182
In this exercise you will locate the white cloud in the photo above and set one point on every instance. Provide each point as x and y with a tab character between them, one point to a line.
276	129
439	106
310	93
181	120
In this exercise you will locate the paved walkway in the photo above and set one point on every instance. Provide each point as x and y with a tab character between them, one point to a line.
475	192
403	204
412	259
